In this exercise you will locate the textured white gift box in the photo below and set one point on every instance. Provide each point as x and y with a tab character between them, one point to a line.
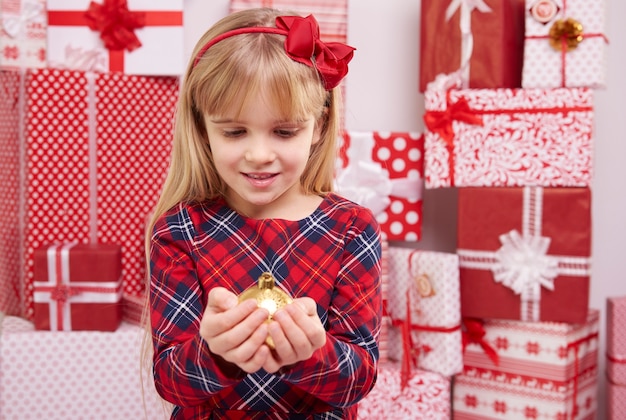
435	315
426	396
547	67
74	374
22	33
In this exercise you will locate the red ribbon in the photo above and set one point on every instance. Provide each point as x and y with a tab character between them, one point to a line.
116	24
474	332
440	122
575	346
303	44
616	359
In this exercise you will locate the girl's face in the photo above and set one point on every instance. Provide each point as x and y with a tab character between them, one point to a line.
261	157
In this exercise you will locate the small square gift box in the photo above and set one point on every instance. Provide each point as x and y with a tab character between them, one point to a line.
616	356
425	396
424	306
383	171
565	44
507	137
528	370
480	39
141	37
524	253
331	15
23	26
78	287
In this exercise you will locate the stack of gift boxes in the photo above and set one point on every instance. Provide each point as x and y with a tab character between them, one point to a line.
509	123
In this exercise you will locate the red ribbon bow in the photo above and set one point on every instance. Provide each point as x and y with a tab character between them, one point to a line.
303	44
62	293
475	333
440	122
116	24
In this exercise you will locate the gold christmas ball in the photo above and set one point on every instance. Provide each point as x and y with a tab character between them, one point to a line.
268	297
566	34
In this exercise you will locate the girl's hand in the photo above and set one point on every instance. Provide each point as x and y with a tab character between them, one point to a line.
236	332
297	332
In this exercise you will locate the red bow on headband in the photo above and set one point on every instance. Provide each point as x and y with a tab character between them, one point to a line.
116	24
303	44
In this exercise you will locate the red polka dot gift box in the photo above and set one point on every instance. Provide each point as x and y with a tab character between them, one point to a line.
480	39
23	26
507	137
616	356
565	44
142	37
528	370
78	287
525	253
383	171
87	154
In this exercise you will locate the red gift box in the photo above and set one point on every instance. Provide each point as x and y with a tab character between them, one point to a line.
524	253
616	356
383	171
88	154
496	28
78	287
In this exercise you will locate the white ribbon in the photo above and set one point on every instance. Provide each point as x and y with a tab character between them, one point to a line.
32	12
84	59
465	24
367	183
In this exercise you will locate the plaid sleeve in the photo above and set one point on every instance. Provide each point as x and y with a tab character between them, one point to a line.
345	369
185	372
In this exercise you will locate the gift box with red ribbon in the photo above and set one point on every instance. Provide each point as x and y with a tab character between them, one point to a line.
383	171
508	137
616	356
86	156
78	287
565	44
424	306
528	370
142	37
23	26
425	396
480	39
332	15
524	253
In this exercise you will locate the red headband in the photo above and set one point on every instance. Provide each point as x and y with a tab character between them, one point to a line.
303	45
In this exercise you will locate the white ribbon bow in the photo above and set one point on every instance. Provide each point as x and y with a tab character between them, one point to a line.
465	24
523	265
83	59
32	11
367	183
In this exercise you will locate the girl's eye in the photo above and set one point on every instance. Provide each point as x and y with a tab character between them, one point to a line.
234	133
286	133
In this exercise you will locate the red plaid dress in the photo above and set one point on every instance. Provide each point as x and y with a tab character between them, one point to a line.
332	256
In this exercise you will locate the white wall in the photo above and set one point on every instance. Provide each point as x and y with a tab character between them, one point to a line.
382	95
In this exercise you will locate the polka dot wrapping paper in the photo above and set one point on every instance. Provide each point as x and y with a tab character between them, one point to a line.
549	62
424	301
509	137
59	375
545	370
616	355
426	396
23	34
383	171
92	152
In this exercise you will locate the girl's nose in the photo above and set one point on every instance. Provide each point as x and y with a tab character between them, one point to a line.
260	150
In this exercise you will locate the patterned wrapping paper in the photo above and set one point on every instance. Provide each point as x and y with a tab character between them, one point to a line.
79	37
616	356
544	370
383	171
88	167
482	39
425	397
23	25
424	305
524	253
508	137
78	287
551	62
332	15
60	375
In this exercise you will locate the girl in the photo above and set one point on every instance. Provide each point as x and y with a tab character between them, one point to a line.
249	192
